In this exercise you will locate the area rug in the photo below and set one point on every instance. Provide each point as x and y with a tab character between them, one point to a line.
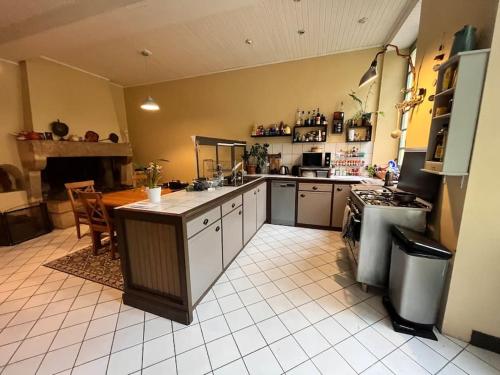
99	268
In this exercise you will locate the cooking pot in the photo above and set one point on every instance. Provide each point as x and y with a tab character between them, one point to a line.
59	128
403	197
284	170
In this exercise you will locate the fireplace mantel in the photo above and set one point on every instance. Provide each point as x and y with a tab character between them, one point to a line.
34	154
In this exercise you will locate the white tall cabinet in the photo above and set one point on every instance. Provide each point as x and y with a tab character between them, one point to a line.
254	210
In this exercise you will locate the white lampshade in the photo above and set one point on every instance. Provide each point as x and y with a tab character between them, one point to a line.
150	105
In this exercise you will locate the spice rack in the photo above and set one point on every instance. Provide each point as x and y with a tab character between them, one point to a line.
456	103
348	163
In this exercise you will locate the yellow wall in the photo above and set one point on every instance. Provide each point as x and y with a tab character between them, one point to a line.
473	299
11	112
439	21
392	81
81	100
227	105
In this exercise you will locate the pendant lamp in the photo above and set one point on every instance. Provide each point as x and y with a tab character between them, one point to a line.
149	104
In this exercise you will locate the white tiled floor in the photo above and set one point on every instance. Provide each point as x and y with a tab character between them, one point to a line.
287	304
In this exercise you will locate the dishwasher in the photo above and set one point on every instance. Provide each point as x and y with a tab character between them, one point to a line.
283	202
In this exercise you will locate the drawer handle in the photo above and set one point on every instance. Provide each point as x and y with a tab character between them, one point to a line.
303	195
217	229
339	189
205	221
254	193
239	213
258	190
234	204
315	188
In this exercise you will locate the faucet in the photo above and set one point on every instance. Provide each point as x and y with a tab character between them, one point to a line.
234	174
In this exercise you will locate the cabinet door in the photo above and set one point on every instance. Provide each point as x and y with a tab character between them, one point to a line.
205	259
261	204
249	214
340	194
232	235
314	208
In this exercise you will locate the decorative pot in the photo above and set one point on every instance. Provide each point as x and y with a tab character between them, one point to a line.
154	194
251	168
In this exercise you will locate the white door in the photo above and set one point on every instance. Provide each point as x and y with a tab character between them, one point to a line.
313	208
205	259
261	204
232	235
249	214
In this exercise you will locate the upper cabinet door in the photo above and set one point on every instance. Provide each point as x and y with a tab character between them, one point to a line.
313	208
249	214
340	194
261	204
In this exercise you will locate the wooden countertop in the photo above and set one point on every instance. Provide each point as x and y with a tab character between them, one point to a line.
121	198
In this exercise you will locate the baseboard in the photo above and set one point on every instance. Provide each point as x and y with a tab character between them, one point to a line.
485	341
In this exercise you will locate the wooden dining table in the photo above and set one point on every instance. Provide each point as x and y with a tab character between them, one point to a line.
122	197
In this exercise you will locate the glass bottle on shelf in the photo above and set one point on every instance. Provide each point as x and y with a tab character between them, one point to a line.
307	120
317	118
298	117
441	138
338	120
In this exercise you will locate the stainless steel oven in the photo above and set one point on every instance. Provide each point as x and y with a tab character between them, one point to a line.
351	230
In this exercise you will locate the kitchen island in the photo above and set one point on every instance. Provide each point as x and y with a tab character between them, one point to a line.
172	252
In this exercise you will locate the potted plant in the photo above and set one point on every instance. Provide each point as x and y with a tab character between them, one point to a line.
153	175
258	158
361	116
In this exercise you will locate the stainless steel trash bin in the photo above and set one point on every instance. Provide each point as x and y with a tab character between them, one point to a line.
416	280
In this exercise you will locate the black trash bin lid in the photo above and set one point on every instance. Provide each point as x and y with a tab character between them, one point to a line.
416	244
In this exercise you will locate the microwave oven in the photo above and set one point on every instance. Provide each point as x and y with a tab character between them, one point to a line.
312	159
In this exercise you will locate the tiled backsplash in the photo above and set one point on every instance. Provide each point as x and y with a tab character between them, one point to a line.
291	153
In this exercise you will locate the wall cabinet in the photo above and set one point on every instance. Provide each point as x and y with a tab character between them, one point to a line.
232	235
340	194
456	107
313	208
205	259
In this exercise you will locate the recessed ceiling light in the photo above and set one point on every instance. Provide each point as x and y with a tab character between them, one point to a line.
249	41
301	31
363	20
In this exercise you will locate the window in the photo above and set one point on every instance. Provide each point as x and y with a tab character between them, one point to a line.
405	119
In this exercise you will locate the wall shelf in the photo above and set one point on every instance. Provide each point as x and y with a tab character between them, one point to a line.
442	117
308	141
308	128
449	91
460	81
311	126
271	136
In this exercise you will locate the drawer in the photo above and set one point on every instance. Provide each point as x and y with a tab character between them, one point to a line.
202	221
307	186
231	205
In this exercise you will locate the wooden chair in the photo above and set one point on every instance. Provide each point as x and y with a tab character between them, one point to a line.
73	189
99	220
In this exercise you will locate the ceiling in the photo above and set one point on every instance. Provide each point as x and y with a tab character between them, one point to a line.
190	37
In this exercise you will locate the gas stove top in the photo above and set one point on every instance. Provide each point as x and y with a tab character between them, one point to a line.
383	197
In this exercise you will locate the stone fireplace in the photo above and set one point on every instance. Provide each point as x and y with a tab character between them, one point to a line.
48	165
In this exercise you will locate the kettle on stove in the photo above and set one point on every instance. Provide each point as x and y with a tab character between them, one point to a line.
284	170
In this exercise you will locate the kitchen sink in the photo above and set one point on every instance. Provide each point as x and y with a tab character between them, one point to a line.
229	182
